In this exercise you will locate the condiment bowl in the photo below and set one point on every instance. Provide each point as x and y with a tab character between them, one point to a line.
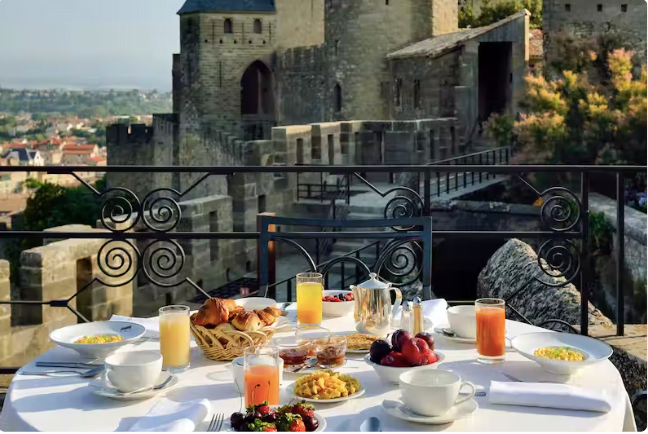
593	350
66	337
392	374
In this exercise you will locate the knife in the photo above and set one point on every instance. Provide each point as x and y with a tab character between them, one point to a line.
73	365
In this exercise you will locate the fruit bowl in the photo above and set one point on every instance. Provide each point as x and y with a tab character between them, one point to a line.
337	309
392	374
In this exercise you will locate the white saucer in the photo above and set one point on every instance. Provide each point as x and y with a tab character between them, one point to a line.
458	339
99	387
400	411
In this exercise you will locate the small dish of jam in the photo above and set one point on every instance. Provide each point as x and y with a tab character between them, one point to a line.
293	352
330	352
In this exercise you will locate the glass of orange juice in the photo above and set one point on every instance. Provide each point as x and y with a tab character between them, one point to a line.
309	298
491	330
261	375
175	335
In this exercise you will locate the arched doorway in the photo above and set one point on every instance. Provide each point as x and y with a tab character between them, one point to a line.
257	102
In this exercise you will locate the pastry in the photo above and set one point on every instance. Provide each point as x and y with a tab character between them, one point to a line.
230	304
233	312
247	321
276	312
267	318
213	313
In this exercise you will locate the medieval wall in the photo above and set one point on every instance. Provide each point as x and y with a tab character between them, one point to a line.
300	74
299	23
586	19
424	86
359	34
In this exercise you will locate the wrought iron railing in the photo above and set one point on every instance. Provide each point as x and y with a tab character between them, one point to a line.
563	215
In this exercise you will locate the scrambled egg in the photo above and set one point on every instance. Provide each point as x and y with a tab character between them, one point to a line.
98	339
560	353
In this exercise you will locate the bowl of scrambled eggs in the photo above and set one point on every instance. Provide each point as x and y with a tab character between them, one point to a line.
561	353
97	339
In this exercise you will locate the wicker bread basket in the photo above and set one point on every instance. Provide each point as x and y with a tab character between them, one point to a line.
235	341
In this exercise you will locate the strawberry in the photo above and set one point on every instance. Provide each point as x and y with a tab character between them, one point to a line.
304	410
269	428
264	408
297	425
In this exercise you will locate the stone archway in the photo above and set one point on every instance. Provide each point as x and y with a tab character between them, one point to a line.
257	101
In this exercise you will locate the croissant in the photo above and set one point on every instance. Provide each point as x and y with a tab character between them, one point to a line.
212	312
247	321
229	304
267	318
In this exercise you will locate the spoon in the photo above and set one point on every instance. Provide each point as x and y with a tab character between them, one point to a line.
144	389
371	425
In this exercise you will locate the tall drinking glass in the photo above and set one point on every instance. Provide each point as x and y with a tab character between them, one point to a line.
175	335
309	298
491	330
261	373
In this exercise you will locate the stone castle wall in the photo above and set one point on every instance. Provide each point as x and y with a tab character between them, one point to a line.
301	83
586	19
299	23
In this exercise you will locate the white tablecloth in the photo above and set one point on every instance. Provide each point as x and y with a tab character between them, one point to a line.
66	404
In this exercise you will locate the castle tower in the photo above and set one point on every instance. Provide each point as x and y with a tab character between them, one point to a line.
360	33
225	67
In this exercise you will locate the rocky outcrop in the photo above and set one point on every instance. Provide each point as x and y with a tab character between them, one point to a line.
514	269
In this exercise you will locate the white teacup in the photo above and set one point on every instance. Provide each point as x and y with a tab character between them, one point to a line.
238	371
432	392
463	321
130	371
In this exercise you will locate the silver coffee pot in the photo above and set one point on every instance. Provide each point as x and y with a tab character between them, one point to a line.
374	312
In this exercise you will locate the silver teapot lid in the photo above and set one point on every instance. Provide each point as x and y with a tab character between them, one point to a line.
373	283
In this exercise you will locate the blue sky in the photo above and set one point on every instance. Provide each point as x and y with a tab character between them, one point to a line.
88	43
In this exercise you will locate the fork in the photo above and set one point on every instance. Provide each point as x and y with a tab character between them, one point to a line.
517	380
216	422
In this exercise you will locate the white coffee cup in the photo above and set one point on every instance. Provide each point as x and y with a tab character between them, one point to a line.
238	371
463	321
129	371
432	392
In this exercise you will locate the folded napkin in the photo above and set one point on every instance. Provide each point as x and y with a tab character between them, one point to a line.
171	416
434	313
152	324
550	395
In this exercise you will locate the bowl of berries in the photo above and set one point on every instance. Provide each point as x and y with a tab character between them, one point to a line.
404	353
300	417
337	303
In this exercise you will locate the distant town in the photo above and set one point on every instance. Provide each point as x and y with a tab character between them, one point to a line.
60	127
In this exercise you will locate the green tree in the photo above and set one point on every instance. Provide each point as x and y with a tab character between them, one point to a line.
493	11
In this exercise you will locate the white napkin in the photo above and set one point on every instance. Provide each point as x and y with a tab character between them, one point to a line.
152	324
434	313
550	395
171	416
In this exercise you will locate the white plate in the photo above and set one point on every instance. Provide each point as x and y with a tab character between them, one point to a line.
99	387
330	401
321	423
458	339
251	303
594	350
400	411
65	337
357	351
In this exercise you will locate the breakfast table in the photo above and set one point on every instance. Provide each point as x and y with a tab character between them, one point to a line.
38	403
